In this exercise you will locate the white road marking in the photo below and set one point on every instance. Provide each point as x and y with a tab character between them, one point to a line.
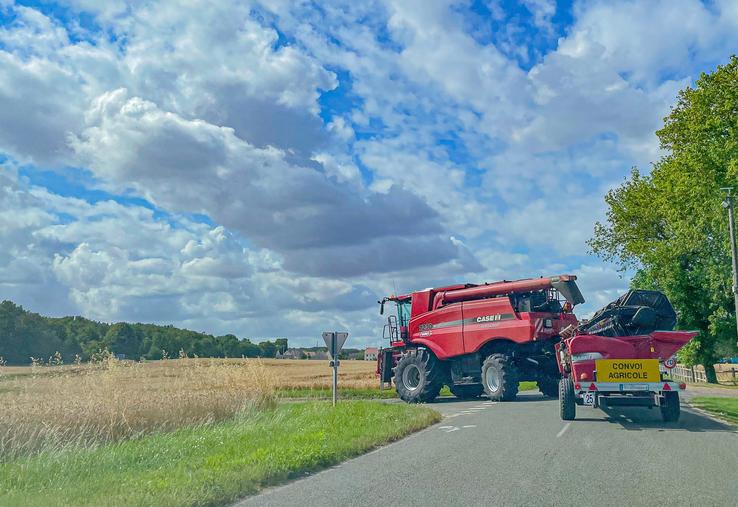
453	428
563	430
470	426
444	427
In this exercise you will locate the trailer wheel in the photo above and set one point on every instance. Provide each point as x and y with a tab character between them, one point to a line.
567	400
418	376
549	386
670	408
500	378
467	392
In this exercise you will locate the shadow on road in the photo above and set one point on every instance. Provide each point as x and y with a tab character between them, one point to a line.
524	396
638	419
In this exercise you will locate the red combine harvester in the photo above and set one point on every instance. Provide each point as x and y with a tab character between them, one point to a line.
478	338
616	358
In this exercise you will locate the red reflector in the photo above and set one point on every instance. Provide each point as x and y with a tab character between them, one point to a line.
682	386
666	387
577	386
592	387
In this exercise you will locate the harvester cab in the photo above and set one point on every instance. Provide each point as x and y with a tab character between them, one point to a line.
395	330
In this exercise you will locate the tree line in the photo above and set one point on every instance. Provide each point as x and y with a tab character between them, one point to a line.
24	335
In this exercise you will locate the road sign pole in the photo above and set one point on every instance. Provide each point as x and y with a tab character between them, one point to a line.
728	203
334	342
335	381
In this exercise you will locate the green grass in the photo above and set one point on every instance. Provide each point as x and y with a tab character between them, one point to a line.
343	393
725	408
213	464
366	393
703	384
527	386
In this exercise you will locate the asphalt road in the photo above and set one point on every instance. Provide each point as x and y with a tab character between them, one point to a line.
521	453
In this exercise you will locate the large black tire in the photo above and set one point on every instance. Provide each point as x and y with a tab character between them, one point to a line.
419	376
500	378
549	386
670	408
567	400
467	392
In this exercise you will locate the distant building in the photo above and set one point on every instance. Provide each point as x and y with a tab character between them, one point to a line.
370	354
298	353
291	354
316	354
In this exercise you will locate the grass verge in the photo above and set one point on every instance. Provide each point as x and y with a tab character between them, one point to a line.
343	393
209	464
363	393
725	408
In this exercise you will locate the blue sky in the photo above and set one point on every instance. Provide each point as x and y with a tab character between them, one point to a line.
272	168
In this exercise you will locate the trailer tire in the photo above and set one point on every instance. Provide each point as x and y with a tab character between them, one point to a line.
670	408
549	386
418	376
467	392
500	378
567	400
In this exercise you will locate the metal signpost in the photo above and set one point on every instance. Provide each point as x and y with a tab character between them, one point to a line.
728	203
334	341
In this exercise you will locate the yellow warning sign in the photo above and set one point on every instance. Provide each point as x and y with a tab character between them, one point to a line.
627	370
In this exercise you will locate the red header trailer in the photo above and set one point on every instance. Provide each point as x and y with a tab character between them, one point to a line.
627	362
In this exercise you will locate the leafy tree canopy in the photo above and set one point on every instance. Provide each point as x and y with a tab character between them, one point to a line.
670	224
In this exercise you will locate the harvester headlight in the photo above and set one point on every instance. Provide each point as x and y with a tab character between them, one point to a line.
586	356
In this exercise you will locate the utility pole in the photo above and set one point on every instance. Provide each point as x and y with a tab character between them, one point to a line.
728	203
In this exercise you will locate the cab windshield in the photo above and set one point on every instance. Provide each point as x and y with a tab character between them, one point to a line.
403	311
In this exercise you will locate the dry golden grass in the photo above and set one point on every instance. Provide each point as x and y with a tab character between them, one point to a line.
46	407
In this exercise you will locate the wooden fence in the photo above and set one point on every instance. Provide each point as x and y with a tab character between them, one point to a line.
726	373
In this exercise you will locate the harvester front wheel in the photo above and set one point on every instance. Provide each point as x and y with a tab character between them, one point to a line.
567	400
500	378
467	392
670	407
418	376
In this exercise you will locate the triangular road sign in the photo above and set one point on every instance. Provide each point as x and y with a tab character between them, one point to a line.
328	339
334	342
340	340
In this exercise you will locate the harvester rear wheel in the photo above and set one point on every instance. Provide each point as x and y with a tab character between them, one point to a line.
567	399
500	378
670	408
418	376
467	392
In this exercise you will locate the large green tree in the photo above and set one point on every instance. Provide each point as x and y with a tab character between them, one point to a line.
670	224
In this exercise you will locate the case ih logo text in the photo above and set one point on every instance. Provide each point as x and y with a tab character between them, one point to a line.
489	318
